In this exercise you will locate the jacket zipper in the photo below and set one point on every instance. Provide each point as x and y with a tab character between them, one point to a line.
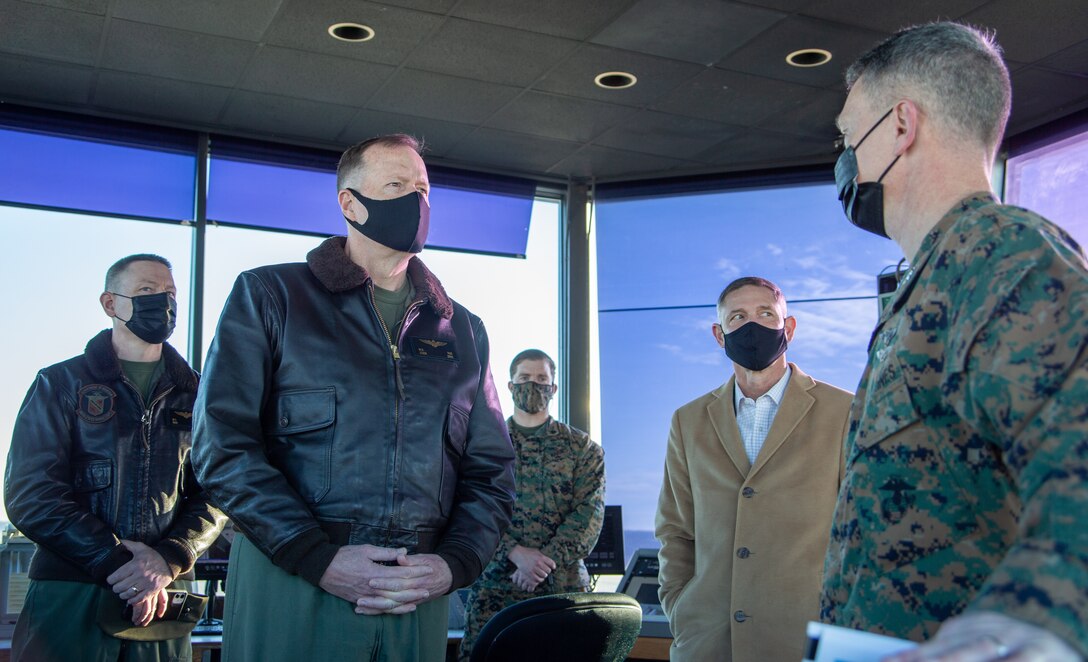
145	424
400	393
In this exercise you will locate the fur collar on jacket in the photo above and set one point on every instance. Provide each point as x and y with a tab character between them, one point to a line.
331	265
103	363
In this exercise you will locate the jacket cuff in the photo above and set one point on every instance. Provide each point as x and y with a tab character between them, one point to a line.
308	555
117	557
464	565
177	556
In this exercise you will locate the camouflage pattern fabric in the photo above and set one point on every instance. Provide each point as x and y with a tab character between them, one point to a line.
559	510
966	482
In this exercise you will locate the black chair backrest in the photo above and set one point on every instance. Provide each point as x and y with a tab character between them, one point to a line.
573	627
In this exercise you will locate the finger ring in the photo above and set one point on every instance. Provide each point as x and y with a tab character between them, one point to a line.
134	589
1000	648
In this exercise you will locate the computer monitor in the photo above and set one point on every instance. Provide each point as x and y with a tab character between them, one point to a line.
607	555
640	582
212	564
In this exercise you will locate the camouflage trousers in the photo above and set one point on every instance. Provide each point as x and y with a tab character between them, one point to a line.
488	597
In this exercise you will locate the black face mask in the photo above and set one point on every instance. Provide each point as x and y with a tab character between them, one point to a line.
754	346
401	223
153	316
863	203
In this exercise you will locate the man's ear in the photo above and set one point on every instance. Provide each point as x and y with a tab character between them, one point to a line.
345	199
905	116
106	300
790	326
719	334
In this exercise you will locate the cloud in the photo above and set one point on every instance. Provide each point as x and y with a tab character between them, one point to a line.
688	356
727	268
774	249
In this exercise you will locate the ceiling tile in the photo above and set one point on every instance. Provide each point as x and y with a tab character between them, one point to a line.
788	6
666	135
595	161
314	76
167	53
89	6
513	151
735	98
283	117
811	115
39	80
428	94
240	19
656	76
893	16
766	56
1072	60
433	6
574	19
699	31
49	33
1030	31
1041	96
437	136
304	25
763	149
489	52
160	98
561	117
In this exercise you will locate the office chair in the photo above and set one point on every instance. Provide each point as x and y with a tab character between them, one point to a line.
574	627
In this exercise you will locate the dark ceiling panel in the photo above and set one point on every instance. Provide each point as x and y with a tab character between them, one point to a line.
504	150
49	33
1030	31
594	161
304	25
285	118
1042	96
735	98
160	97
89	6
812	115
1072	60
573	19
314	76
561	117
699	31
656	76
427	94
437	136
489	52
892	16
51	82
788	6
762	149
666	135
767	55
168	53
433	6
240	19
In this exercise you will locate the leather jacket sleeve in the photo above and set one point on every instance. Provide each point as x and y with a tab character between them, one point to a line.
228	441
485	488
196	527
38	490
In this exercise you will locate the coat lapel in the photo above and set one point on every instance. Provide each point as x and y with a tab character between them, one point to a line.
796	403
724	419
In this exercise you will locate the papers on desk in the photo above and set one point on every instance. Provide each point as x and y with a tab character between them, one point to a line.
831	643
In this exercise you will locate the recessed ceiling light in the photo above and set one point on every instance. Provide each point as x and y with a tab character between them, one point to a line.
615	80
351	32
809	57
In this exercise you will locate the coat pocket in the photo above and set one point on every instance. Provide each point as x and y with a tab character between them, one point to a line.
302	439
91	481
454	438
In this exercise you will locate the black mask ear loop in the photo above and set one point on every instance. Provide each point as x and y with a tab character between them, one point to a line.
118	294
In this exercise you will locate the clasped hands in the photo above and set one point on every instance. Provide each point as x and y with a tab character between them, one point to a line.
142	583
533	567
357	575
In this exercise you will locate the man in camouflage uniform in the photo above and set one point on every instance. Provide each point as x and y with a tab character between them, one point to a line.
963	516
559	508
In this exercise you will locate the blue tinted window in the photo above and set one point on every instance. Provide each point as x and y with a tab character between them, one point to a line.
1052	180
304	200
661	263
95	176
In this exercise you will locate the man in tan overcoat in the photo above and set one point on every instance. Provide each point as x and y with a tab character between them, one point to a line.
752	473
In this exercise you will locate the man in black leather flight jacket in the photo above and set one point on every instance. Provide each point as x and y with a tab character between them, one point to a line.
98	475
320	428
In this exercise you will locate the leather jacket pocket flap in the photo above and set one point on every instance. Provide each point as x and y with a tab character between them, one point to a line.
92	476
302	411
456	429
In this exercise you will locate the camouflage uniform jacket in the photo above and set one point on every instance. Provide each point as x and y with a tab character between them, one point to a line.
966	482
559	510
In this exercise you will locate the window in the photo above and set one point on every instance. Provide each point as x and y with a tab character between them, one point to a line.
1052	180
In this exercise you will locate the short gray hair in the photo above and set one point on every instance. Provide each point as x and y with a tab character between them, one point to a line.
750	281
352	160
956	70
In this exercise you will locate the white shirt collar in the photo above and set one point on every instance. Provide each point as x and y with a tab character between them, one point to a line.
775	392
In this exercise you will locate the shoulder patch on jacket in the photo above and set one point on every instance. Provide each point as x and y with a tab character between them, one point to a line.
431	348
96	403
